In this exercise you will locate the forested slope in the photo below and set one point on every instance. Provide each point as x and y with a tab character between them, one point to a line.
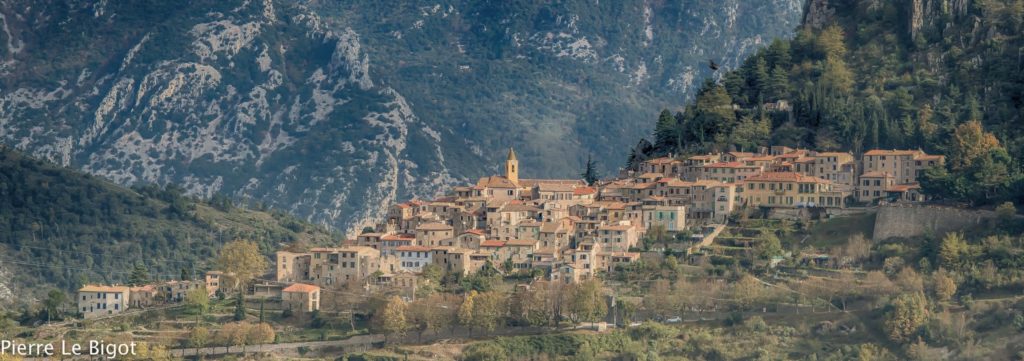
67	228
943	76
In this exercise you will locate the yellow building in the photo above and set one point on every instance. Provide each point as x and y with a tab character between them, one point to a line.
303	297
337	266
787	189
873	186
906	165
95	301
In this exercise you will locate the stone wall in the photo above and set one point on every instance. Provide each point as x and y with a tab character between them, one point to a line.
912	221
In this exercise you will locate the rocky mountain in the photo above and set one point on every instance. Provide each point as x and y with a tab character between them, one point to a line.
322	108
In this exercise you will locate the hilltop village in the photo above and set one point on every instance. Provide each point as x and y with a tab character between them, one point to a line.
564	230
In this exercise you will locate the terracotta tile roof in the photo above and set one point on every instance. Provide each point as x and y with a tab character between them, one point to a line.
651	175
662	160
496	181
677	183
785	177
474	231
556	187
876	174
546	250
608	205
902	187
301	288
891	152
398	237
609	227
709	183
529	223
741	154
521	243
357	249
99	288
550	227
492	243
834	154
413	249
583	191
631	255
434	226
726	165
537	182
519	208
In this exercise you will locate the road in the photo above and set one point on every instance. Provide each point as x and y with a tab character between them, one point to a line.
210	351
708	239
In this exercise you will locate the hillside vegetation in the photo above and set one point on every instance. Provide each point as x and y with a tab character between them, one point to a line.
68	228
942	76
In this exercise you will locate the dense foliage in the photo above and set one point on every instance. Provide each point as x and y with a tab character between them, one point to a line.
69	228
867	78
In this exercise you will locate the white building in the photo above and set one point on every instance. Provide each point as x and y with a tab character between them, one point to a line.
413	258
95	301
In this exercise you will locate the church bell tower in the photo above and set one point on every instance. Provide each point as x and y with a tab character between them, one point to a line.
512	166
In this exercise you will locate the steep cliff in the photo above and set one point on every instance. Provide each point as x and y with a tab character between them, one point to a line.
331	109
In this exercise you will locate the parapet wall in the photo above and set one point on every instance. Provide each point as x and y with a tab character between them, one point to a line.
917	220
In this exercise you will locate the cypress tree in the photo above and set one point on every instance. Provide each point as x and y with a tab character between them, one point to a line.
239	307
589	172
262	301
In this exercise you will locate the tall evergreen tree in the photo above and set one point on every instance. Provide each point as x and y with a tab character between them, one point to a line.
590	172
239	307
665	132
139	275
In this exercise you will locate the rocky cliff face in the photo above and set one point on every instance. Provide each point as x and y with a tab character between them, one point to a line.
330	110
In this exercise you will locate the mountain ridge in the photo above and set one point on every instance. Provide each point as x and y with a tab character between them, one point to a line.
314	108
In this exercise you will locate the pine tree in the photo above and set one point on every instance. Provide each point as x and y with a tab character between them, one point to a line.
762	80
665	131
778	84
590	172
139	276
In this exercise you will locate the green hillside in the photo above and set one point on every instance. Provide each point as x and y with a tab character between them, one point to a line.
861	75
67	228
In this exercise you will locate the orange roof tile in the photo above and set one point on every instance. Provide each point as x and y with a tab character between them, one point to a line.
492	243
876	174
521	242
301	288
583	191
99	288
891	152
413	248
785	177
434	226
398	237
